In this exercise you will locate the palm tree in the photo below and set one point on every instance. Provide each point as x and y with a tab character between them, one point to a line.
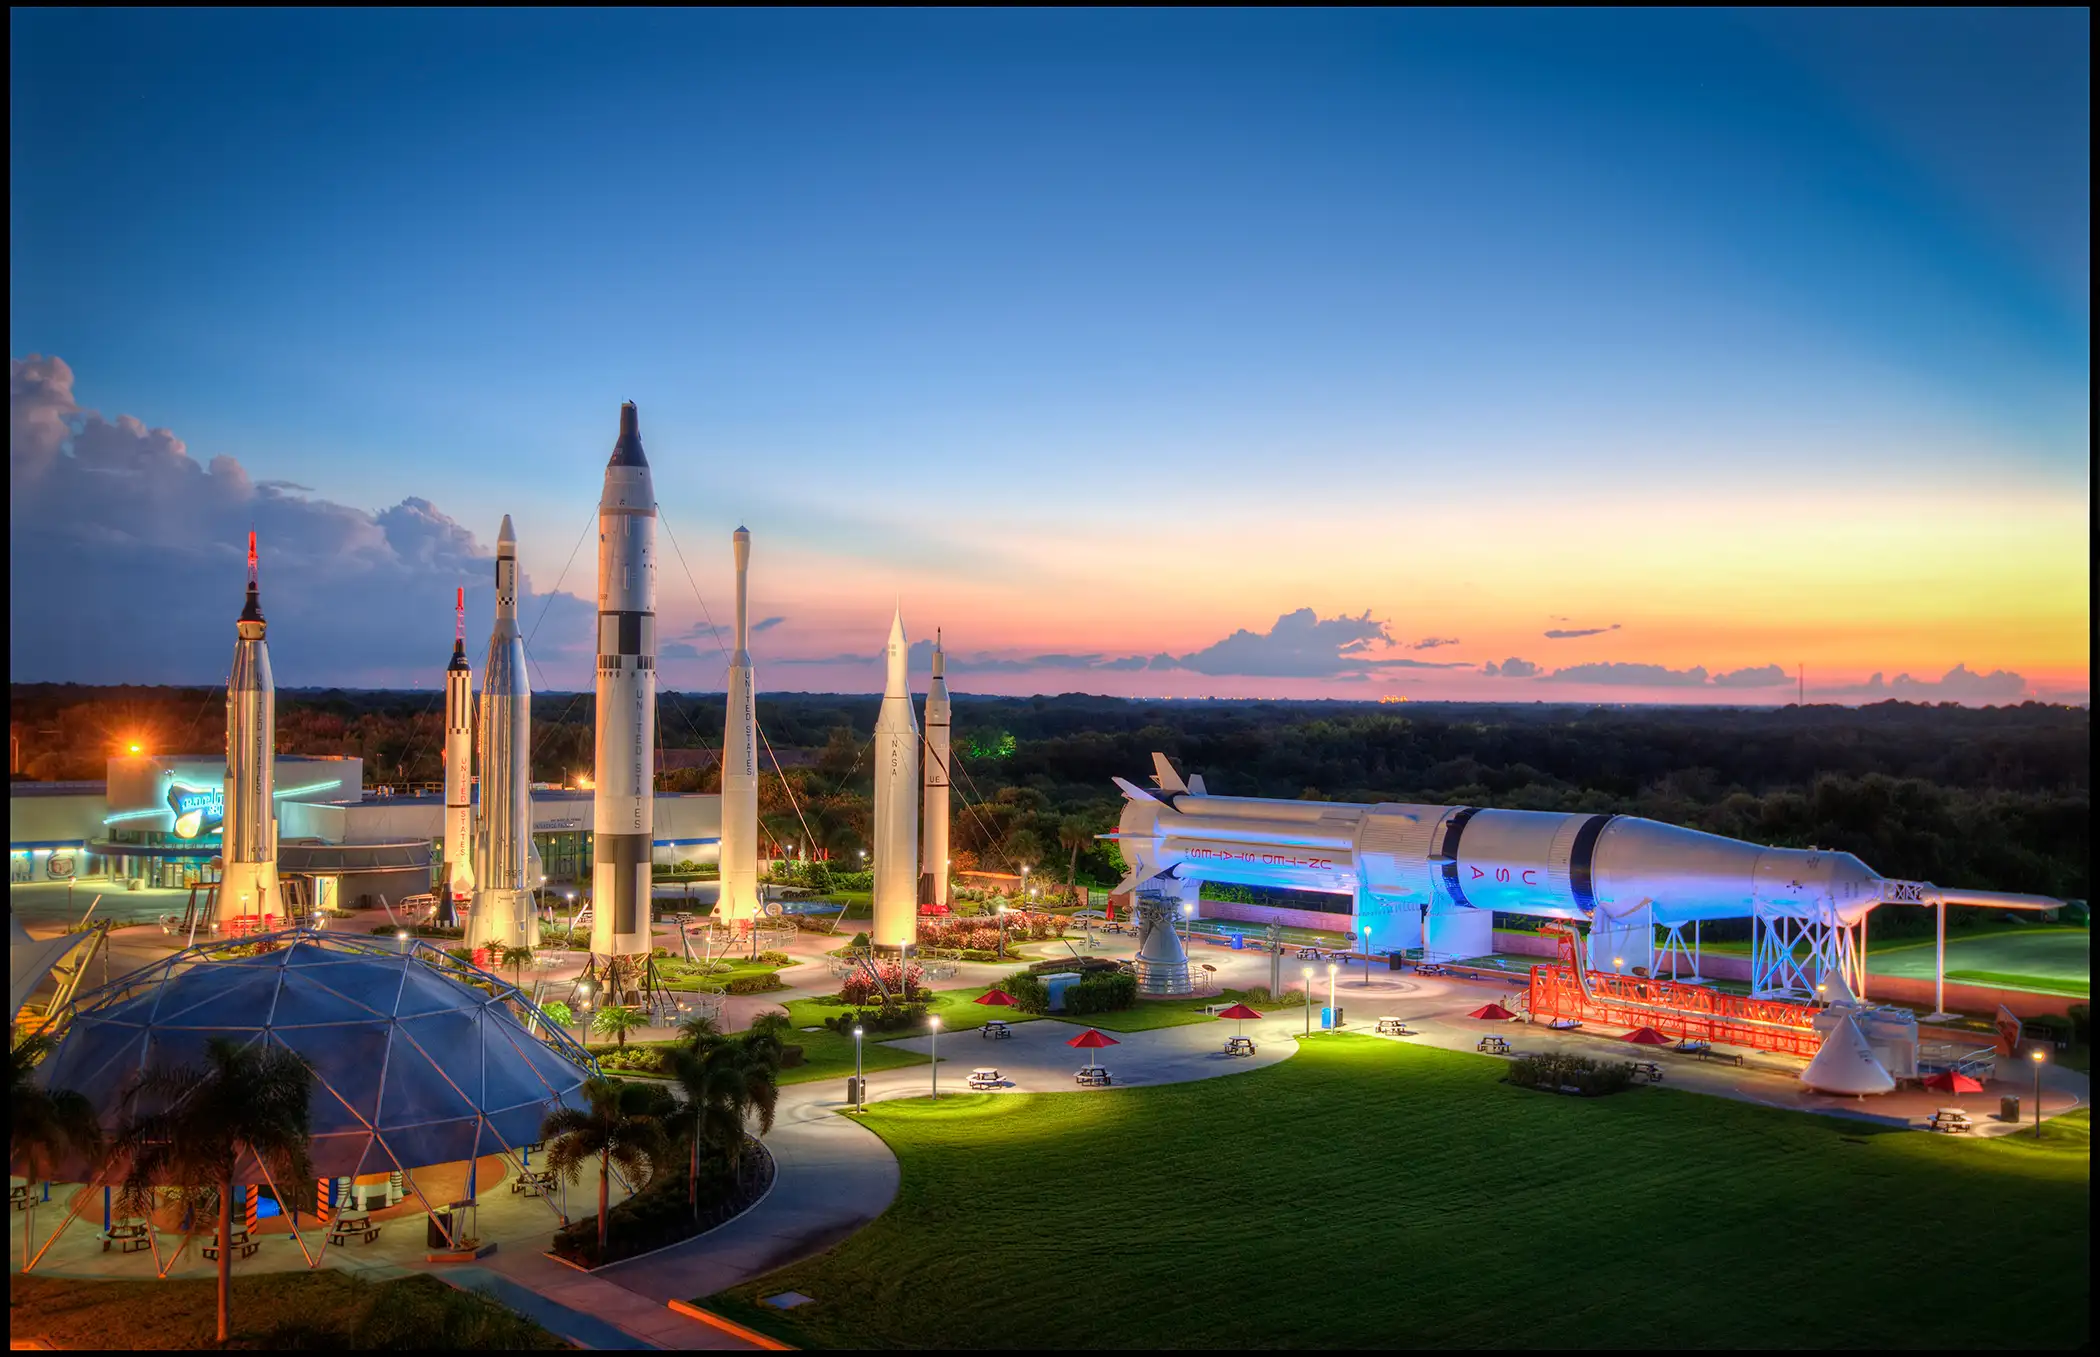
727	1080
195	1126
46	1127
517	958
621	1126
699	1027
1073	834
616	1020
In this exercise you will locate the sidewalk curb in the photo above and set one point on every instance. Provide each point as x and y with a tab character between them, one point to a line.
730	1327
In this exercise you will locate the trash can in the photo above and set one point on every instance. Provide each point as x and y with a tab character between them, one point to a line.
1239	942
854	1090
2009	1109
443	1224
1330	1018
1393	960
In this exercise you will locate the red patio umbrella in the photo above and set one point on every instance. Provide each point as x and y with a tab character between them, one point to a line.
998	997
1492	1012
1646	1036
1091	1040
1239	1013
1953	1081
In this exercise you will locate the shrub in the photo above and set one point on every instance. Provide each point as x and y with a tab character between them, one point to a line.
2082	1023
422	930
888	1018
1030	994
1553	1071
1103	992
635	1060
2049	1026
1259	997
770	958
859	987
753	984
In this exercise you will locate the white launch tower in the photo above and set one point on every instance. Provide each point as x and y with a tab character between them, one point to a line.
896	803
739	898
248	842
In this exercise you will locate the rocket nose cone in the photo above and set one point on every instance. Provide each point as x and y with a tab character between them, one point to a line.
505	533
628	450
742	534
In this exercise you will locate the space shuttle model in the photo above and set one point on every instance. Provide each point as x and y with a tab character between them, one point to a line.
623	821
248	841
896	802
458	893
933	877
1434	876
739	899
503	913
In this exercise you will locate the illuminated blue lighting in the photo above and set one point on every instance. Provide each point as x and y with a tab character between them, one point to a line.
309	787
133	815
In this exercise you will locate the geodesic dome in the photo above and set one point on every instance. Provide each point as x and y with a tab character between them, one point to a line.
412	1066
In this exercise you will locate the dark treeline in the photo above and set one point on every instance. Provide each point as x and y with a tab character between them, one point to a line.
1996	798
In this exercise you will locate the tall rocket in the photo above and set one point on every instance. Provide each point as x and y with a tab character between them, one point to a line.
933	881
740	762
896	803
504	913
248	842
459	765
624	814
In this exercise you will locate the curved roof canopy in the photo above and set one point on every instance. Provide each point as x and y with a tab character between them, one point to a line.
413	1065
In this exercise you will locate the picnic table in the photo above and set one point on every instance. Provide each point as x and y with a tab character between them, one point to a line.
129	1236
985	1076
18	1196
1705	1051
235	1239
1431	968
352	1230
1493	1045
1093	1076
1649	1070
1393	1027
995	1029
1239	1045
533	1182
1564	1024
1952	1120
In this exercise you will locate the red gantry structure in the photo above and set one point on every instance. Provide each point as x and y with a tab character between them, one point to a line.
1687	1012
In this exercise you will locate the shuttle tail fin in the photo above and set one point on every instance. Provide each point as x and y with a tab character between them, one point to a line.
1163	773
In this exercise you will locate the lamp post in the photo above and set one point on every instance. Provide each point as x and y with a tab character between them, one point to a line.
1331	969
1002	930
1308	1001
934	1065
1367	956
583	1004
860	1080
1188	912
2037	1056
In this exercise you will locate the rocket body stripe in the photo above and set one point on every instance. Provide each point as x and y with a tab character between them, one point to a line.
624	803
896	844
933	875
740	899
504	912
248	841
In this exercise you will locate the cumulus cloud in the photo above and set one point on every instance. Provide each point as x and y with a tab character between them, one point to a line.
1959	684
128	556
1630	675
766	624
1510	668
1561	634
1763	676
1432	642
1301	644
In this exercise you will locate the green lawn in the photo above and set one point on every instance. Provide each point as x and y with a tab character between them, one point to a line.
270	1311
1148	1015
1367	1194
2035	983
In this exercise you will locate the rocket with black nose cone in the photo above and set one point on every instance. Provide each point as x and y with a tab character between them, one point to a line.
623	818
459	767
503	913
248	881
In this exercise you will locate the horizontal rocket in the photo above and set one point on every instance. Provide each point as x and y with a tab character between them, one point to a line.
1543	863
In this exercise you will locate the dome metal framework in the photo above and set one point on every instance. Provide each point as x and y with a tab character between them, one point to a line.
418	1058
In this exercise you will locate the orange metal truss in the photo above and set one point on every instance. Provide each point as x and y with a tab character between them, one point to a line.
1571	990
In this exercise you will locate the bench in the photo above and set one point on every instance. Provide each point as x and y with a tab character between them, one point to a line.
129	1236
1393	1027
986	1078
236	1239
533	1182
1092	1077
1648	1070
1493	1045
996	1030
1239	1046
352	1230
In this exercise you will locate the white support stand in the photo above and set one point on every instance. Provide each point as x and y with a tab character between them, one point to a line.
1780	970
1939	965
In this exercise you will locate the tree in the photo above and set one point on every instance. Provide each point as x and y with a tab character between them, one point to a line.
517	958
192	1126
1074	835
46	1127
617	1020
620	1124
727	1080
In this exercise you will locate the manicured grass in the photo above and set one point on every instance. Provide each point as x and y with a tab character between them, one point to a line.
1146	1016
2035	983
270	1311
1368	1194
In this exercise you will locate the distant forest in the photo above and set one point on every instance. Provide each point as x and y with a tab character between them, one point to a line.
1996	798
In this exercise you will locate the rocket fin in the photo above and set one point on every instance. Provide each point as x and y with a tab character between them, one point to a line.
1196	787
1133	792
1163	773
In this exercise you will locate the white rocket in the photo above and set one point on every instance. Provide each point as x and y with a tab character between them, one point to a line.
248	841
503	913
459	765
933	881
740	762
624	812
896	804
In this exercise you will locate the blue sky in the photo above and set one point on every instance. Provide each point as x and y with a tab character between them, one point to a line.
1112	333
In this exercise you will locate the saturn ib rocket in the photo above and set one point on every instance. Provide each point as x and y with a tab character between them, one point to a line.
896	803
739	898
459	767
933	880
623	819
504	913
248	842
